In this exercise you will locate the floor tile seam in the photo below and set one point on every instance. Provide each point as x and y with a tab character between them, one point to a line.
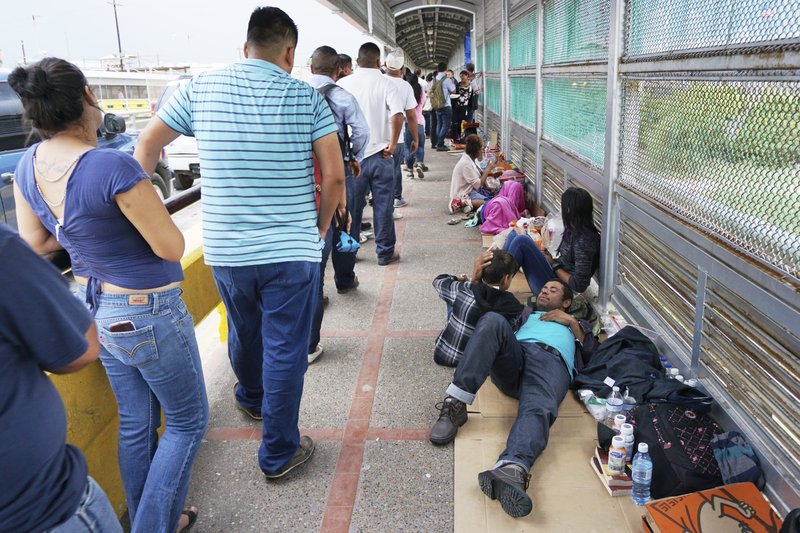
342	491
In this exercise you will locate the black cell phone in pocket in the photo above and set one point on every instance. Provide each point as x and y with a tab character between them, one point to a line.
125	325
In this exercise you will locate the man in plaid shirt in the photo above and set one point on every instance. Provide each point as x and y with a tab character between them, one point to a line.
467	301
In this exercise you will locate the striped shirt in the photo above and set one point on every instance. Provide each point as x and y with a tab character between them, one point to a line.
254	126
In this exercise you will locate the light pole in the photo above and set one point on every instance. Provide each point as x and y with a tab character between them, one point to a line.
119	42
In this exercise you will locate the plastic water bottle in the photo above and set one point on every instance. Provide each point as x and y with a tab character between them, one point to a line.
613	406
628	403
642	475
626	431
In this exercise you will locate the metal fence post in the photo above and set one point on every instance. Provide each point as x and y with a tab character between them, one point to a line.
539	97
505	115
609	246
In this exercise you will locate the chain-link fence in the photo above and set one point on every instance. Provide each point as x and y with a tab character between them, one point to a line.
657	27
576	31
523	101
523	33
723	154
574	115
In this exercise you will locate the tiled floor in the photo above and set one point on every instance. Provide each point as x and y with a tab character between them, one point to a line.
369	402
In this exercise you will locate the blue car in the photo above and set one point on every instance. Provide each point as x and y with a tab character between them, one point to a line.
16	136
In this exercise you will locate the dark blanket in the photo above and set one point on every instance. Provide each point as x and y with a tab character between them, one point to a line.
632	361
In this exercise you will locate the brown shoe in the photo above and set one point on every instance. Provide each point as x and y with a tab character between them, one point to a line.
303	454
395	258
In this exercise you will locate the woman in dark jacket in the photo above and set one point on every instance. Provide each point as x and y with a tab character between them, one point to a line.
578	255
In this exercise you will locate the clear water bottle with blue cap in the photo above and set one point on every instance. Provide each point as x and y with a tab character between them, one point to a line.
642	475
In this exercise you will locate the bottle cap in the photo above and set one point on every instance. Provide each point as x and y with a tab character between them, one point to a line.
674	371
615	388
618	442
679	378
643	447
626	429
692	382
619	419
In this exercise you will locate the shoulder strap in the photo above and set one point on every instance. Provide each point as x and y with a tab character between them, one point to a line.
347	149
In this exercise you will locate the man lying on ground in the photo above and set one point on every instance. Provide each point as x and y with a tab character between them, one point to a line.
468	300
535	365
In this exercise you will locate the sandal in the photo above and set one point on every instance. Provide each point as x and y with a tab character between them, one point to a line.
452	222
192	514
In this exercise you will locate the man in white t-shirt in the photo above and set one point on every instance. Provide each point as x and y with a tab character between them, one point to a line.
383	109
394	72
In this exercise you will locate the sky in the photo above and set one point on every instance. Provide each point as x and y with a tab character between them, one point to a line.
158	31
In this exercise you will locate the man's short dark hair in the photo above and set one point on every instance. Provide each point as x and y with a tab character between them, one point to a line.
325	61
503	264
471	67
568	294
271	28
418	72
344	60
441	67
368	54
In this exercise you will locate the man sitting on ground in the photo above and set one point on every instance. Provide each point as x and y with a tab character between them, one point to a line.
535	365
468	300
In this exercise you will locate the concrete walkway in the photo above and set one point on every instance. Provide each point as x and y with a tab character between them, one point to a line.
368	402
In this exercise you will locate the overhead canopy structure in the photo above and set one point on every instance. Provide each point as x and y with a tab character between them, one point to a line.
429	31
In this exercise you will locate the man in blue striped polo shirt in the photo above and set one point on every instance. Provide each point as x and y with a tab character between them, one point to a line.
256	128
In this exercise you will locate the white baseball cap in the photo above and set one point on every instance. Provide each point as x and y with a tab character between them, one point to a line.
395	60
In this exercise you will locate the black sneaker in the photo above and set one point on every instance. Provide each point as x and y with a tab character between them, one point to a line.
366	225
303	454
508	484
252	412
452	415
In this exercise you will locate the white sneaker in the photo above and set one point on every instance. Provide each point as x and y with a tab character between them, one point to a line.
397	215
315	354
362	238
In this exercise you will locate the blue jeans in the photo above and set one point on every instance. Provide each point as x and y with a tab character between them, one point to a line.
533	262
156	366
94	514
538	378
270	308
443	118
434	129
427	116
377	175
397	160
419	156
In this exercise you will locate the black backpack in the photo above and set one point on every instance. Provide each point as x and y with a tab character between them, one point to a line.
679	441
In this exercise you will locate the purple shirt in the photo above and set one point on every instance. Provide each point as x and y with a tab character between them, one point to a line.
102	243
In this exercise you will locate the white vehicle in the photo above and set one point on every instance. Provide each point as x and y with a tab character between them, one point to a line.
182	152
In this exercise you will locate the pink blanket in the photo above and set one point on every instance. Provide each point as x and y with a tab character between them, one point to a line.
507	206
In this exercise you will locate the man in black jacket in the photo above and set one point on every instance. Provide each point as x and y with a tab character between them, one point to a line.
534	364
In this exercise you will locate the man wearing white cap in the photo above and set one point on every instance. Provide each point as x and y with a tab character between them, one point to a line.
394	70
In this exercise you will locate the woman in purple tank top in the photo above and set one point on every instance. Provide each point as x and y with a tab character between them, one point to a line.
99	205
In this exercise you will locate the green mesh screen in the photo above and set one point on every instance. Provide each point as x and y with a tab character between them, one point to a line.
523	101
479	64
493	96
522	52
493	47
575	115
659	26
723	154
576	30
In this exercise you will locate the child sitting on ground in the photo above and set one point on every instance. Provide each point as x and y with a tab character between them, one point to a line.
468	300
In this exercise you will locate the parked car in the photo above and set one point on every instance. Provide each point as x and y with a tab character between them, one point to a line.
182	152
16	136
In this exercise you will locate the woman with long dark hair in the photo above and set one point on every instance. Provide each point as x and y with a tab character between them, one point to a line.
416	161
99	205
578	255
461	102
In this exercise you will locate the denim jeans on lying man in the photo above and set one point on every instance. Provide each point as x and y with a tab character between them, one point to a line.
538	378
154	367
270	308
